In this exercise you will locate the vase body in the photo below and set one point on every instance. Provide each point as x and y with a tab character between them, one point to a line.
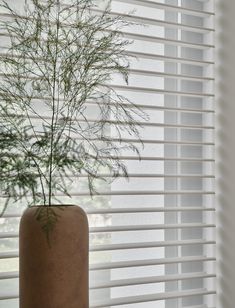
54	274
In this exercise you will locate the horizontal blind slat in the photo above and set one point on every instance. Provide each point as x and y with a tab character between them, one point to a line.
139	72
173	159
165	108
170	7
8	275
156	39
179	8
110	247
130	300
144	193
155	56
156	4
149	262
158	22
150	245
151	141
149	175
150	298
8	296
170	75
148	210
148	280
126	282
148	227
122	123
7	235
129	264
132	210
147	21
135	193
9	255
154	90
186	159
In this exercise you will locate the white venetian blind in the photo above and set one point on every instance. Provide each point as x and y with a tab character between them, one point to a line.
152	237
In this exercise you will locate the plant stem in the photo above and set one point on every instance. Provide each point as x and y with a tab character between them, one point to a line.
53	109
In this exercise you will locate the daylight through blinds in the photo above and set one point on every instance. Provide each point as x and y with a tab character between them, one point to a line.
152	238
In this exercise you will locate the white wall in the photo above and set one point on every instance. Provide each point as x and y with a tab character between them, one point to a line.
225	139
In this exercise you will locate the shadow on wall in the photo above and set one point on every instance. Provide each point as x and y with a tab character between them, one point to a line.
225	145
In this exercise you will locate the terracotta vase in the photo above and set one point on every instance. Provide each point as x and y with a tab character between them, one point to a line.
55	275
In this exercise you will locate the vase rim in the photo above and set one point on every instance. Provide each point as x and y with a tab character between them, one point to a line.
53	205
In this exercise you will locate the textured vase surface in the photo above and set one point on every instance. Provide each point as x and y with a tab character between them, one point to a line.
55	275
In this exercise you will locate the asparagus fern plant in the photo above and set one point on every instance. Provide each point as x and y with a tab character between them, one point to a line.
56	68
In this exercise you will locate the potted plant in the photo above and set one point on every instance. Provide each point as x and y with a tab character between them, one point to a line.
55	72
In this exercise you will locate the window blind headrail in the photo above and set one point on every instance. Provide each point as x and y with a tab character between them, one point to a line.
169	7
150	298
149	280
149	262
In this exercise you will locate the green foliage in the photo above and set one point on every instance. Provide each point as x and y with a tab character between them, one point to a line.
56	70
48	217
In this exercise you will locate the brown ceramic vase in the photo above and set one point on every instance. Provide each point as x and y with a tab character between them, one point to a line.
55	275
